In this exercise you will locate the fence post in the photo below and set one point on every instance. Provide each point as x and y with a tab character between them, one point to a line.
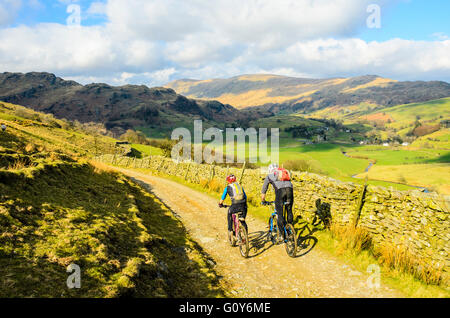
359	206
187	171
149	162
242	173
114	157
213	171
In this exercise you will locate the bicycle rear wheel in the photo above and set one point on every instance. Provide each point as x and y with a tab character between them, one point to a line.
291	240
243	240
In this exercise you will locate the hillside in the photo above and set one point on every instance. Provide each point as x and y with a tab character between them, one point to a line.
58	209
280	93
118	108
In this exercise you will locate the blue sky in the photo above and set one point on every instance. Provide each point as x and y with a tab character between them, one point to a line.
54	11
155	41
414	20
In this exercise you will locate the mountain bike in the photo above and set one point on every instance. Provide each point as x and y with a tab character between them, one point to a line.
239	236
290	241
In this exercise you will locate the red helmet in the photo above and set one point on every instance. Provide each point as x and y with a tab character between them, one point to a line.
231	178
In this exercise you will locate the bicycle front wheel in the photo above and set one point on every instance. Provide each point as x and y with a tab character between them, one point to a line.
243	241
291	240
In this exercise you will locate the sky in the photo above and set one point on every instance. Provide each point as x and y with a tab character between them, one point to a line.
152	42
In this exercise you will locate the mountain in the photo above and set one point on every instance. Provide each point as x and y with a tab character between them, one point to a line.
119	108
280	93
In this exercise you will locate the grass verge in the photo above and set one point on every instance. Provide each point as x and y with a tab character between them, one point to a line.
126	242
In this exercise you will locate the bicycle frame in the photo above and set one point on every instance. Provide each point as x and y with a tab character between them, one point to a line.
237	235
275	213
235	219
235	222
289	231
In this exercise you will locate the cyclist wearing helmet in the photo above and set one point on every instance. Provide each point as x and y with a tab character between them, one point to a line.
238	200
280	180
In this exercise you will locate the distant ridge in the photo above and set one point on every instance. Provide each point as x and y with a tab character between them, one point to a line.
276	93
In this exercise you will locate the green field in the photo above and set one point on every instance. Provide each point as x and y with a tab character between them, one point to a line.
398	155
327	158
147	150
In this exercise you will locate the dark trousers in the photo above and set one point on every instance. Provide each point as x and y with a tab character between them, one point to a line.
281	196
234	208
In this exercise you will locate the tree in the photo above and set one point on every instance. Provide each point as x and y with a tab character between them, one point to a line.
135	137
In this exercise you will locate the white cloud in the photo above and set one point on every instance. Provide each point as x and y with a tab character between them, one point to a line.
153	42
440	36
8	11
242	21
396	58
97	8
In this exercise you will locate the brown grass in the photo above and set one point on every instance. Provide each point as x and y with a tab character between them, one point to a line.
214	185
19	164
356	239
399	257
423	130
396	257
379	118
30	147
100	167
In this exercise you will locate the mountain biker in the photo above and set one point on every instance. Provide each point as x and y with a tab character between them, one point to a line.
238	200
280	180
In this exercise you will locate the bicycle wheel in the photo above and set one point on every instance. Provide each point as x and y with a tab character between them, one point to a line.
243	240
273	229
291	240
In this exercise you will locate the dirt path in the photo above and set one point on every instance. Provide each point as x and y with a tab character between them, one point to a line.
269	272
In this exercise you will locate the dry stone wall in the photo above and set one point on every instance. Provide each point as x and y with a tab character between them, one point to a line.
416	220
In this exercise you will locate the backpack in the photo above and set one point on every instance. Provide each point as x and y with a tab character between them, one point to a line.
238	193
282	174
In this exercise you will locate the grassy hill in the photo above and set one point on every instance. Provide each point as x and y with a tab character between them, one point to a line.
57	209
399	118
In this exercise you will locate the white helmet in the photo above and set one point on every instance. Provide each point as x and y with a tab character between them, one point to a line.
272	168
